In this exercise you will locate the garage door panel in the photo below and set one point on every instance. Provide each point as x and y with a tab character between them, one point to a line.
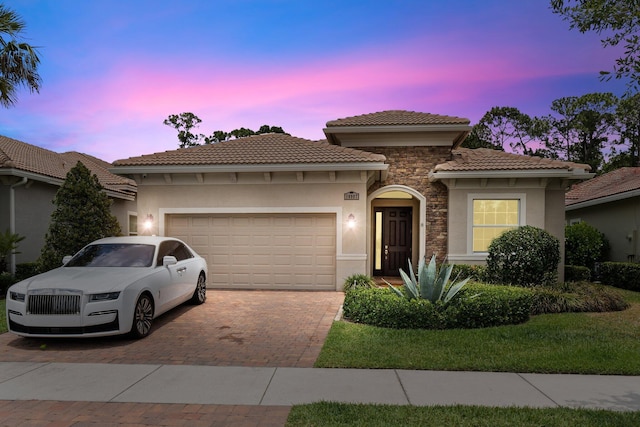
278	251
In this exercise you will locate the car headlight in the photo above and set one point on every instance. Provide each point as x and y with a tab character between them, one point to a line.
16	296
107	296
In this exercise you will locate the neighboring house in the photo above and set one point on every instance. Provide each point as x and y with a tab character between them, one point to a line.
610	203
279	212
29	179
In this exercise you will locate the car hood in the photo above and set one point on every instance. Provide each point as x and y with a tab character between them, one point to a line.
86	279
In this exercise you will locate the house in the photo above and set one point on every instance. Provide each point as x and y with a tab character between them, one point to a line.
29	179
279	212
611	204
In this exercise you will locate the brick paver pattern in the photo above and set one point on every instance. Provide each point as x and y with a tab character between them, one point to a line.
233	328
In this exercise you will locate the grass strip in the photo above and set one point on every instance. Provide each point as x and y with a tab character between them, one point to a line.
354	415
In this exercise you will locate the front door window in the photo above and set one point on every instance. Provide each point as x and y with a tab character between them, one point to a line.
392	240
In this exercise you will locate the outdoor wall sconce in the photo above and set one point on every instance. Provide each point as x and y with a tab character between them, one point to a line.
351	221
148	222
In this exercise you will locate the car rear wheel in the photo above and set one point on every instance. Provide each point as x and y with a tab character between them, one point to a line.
200	294
142	317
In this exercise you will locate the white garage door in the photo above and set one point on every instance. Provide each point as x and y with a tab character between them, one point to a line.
262	251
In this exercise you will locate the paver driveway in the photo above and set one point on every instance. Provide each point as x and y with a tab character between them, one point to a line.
233	328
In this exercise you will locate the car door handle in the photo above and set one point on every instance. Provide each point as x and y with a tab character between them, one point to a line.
182	270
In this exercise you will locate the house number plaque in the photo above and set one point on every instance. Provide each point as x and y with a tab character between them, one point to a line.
352	195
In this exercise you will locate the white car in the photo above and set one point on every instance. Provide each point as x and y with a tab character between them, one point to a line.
112	286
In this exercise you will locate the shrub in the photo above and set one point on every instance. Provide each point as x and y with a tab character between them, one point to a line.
6	280
584	245
82	214
381	307
358	281
525	256
477	273
8	245
623	275
26	270
576	273
576	297
477	306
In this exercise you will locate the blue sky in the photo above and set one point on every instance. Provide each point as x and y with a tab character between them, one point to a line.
113	70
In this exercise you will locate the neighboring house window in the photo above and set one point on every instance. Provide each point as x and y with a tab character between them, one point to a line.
492	217
133	225
574	221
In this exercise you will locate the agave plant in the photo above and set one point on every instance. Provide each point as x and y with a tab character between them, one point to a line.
431	284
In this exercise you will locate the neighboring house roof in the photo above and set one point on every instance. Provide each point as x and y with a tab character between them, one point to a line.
485	162
398	118
21	159
619	184
264	149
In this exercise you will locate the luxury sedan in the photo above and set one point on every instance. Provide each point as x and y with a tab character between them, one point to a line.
112	286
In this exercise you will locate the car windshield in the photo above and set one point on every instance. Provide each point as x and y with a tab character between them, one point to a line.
114	255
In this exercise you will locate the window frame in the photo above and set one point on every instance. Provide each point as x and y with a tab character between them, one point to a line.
132	218
520	197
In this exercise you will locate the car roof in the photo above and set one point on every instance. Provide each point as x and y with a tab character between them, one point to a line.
149	240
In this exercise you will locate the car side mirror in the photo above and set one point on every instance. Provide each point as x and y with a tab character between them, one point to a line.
169	260
66	259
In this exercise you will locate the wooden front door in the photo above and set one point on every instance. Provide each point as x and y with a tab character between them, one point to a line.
394	240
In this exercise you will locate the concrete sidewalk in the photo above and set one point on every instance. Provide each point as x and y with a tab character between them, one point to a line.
220	385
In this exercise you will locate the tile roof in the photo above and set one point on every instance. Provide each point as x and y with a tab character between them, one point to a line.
617	182
263	149
485	159
25	157
398	118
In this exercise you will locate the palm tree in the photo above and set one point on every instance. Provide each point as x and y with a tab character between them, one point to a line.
18	60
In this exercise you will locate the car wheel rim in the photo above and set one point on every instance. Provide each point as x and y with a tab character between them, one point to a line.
202	289
144	316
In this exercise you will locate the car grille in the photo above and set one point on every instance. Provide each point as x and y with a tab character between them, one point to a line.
53	304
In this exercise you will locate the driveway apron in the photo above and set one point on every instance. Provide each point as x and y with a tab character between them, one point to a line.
233	328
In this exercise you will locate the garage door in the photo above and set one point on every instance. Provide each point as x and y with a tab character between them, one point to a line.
262	251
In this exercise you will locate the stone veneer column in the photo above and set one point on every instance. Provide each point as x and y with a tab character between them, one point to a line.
410	166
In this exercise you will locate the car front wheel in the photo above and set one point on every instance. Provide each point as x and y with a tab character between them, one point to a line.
200	294
142	317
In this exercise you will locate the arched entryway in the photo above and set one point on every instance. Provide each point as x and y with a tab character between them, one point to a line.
397	234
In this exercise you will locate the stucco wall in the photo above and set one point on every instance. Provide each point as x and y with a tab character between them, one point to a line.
121	210
34	206
554	221
310	192
4	208
541	206
617	220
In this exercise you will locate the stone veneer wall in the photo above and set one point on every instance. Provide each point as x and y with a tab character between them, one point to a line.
410	166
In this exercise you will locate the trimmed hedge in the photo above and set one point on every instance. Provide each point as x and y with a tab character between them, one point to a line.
625	275
477	306
576	273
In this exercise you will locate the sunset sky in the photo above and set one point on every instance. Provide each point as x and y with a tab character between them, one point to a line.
113	70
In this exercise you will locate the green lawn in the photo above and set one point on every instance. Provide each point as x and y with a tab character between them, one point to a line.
337	414
585	343
593	343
